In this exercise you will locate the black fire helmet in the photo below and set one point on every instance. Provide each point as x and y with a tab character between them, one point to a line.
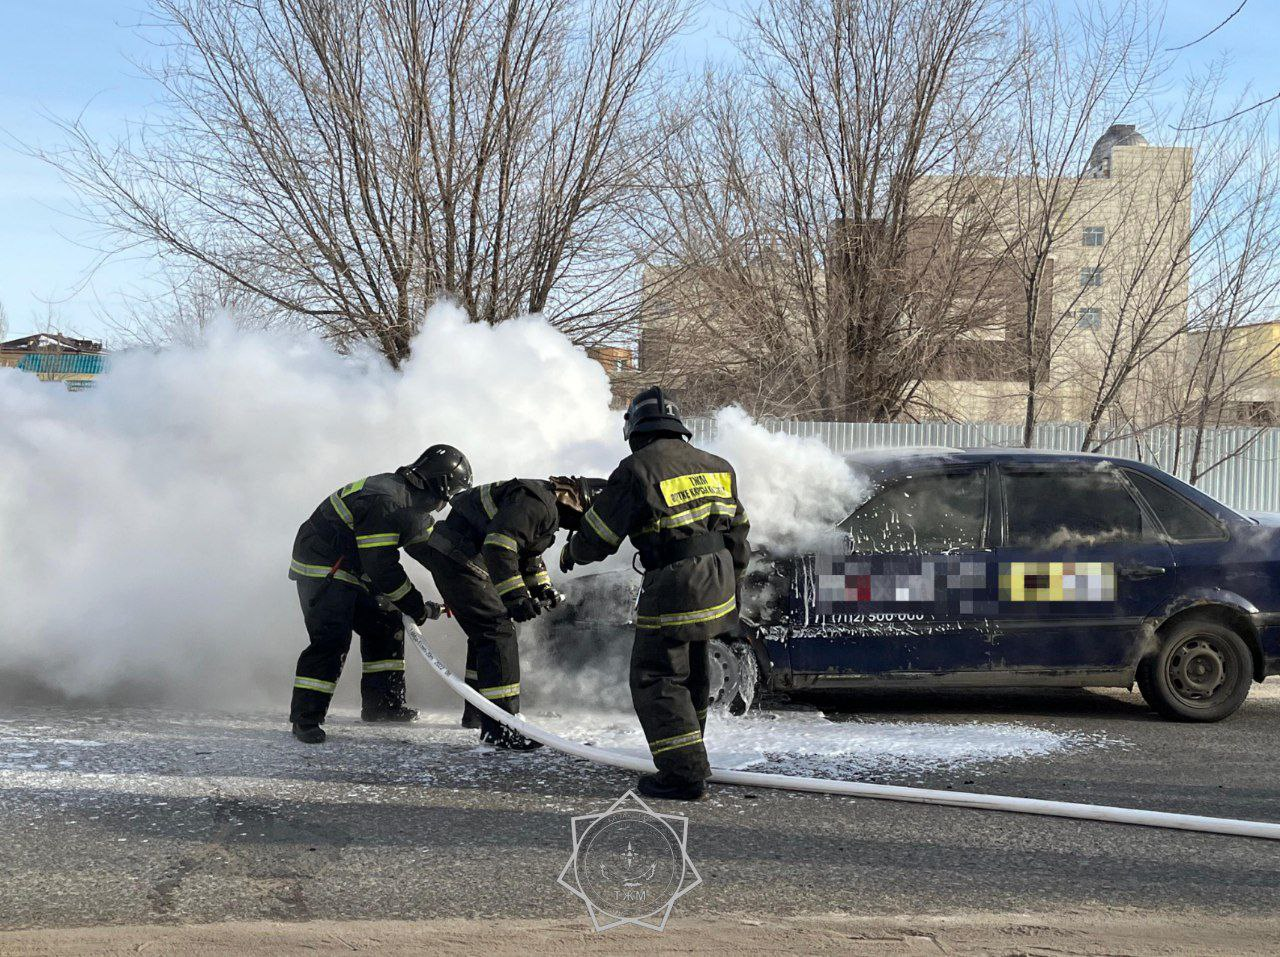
441	470
652	411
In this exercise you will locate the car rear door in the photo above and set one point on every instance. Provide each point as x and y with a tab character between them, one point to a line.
904	590
1081	566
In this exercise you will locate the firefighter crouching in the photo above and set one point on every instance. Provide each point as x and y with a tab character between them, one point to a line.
486	560
679	506
346	561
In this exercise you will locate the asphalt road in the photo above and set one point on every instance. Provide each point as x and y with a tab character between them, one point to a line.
134	817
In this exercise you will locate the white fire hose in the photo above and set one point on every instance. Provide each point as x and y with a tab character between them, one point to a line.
883	792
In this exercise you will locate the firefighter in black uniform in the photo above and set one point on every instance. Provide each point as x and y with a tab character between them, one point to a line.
679	506
486	559
346	562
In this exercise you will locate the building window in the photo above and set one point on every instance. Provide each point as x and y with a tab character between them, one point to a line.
1094	235
1089	318
1091	276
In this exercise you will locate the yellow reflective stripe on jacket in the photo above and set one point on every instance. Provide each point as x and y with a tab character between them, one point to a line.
510	584
424	535
383	540
315	684
401	591
486	500
386	664
498	540
539	578
678	741
502	691
355	486
340	507
688	617
741	517
322	571
689	488
690	515
597	525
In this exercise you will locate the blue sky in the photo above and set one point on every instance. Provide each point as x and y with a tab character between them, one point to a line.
65	57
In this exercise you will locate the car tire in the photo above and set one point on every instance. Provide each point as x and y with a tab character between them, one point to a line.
1201	672
734	675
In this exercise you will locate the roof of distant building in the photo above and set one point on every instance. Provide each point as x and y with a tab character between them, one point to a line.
42	342
1118	134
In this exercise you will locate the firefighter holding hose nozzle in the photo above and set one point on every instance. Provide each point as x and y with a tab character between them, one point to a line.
346	561
486	560
679	506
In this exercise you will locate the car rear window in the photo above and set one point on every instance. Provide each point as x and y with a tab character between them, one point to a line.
1182	520
1055	508
937	512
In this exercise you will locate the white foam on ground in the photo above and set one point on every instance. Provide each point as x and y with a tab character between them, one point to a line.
156	752
810	744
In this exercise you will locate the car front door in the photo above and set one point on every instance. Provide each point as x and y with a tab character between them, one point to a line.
1081	565
903	591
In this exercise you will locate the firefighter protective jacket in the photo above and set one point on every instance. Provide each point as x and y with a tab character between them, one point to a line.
502	530
679	506
360	529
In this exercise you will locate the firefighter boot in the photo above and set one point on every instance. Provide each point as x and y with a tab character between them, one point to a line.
399	713
507	739
308	733
671	789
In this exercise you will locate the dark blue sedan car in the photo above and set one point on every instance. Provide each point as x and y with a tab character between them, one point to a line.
1014	568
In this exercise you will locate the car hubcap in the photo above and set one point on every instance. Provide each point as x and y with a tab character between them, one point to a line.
1198	669
731	674
722	670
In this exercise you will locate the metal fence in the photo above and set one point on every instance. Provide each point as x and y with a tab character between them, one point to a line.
1247	478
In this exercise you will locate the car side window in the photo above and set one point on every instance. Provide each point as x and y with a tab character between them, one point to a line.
938	512
1054	508
1182	520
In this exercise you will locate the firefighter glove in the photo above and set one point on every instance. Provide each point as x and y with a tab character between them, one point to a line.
566	555
547	596
413	606
522	608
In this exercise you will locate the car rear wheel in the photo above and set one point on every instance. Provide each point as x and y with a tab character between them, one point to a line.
1201	672
733	675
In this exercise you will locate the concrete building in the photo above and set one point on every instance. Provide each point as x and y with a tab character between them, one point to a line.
1117	281
1118	285
1246	383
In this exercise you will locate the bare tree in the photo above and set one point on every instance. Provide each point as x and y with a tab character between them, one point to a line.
182	306
1195	258
1229	356
1082	70
793	244
348	161
4	323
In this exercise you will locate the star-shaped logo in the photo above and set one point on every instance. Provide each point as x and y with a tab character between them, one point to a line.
630	864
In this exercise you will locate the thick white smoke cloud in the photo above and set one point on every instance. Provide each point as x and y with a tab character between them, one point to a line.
795	489
146	526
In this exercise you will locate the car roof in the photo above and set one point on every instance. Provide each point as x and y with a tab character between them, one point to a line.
893	458
890	462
